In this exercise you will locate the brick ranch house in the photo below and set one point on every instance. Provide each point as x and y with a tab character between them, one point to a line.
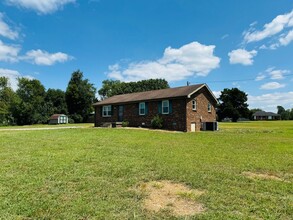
183	108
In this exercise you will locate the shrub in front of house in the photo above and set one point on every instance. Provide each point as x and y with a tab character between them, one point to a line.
157	122
125	123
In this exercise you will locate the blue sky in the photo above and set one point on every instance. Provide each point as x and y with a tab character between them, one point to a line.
231	43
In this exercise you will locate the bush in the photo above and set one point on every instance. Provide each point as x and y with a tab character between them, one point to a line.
125	123
70	121
76	118
157	122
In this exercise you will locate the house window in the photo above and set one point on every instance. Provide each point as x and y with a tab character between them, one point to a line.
142	108
165	107
107	111
194	104
209	107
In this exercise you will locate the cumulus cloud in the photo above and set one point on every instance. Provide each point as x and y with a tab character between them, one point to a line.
269	102
41	57
40	6
272	85
242	56
12	76
9	53
193	59
270	29
5	30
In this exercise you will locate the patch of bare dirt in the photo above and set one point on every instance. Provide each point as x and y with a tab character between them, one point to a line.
265	176
175	198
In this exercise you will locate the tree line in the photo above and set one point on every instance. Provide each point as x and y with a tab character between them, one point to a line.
31	103
233	104
285	114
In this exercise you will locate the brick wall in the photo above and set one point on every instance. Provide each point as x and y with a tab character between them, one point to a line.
173	121
201	114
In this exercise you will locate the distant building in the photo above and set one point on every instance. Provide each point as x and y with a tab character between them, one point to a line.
58	119
262	115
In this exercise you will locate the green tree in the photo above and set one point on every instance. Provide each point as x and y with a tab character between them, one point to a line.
291	114
7	99
56	102
109	88
285	114
79	95
31	107
116	87
232	104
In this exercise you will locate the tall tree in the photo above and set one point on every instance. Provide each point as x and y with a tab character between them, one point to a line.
285	114
80	95
31	108
7	99
233	104
116	87
55	99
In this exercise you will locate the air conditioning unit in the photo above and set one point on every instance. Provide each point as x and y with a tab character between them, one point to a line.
209	126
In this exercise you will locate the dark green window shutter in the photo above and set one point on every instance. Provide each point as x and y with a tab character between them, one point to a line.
160	107
146	108
101	111
170	107
137	108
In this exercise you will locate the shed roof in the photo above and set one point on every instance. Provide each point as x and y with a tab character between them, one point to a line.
263	113
56	116
183	91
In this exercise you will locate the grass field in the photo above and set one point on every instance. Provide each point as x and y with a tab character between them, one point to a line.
88	173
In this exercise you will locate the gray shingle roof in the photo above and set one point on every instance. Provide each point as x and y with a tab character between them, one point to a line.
183	91
263	113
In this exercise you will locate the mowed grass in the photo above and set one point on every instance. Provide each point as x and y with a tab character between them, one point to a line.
89	173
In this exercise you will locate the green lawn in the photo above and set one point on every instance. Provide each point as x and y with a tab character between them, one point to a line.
88	173
47	126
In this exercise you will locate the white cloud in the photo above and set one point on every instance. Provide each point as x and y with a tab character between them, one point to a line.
41	57
272	85
224	36
260	77
242	56
9	53
217	93
193	59
5	30
269	102
276	74
41	6
270	29
12	76
284	41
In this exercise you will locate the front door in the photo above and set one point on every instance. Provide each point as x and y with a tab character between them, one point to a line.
120	113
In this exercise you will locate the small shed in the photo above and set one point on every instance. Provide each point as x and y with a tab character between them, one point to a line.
58	119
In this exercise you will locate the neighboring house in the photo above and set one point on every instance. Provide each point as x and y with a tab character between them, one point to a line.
262	115
182	108
58	119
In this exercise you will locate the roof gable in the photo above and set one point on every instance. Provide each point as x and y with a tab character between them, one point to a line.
184	91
